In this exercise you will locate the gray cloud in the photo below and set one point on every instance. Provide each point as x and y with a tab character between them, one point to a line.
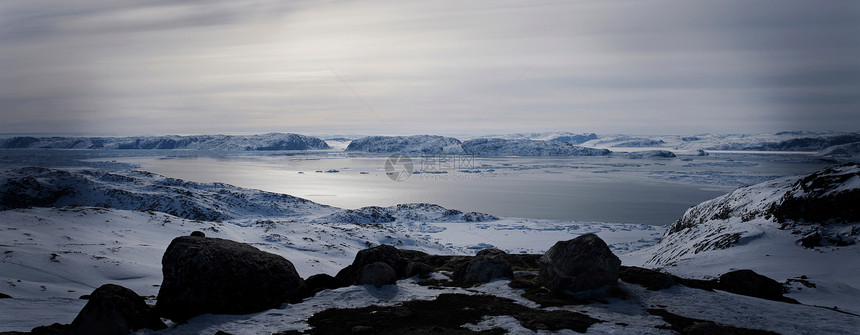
665	66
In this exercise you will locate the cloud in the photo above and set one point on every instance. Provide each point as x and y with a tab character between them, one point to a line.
428	66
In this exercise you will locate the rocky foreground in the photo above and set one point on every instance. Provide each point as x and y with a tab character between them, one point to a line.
801	231
204	275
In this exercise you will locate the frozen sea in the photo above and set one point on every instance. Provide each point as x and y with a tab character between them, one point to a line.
600	189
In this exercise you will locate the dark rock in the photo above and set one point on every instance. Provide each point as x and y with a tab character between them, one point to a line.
212	275
113	309
418	269
487	265
811	240
412	255
523	283
361	330
198	233
383	253
322	281
702	284
446	263
685	325
651	279
5	296
581	264
444	315
818	197
54	329
749	283
524	261
557	320
377	274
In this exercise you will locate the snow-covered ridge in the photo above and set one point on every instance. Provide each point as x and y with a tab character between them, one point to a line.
782	141
144	191
819	209
485	147
139	190
263	142
785	141
423	144
850	150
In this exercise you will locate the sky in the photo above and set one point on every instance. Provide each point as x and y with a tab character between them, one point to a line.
428	66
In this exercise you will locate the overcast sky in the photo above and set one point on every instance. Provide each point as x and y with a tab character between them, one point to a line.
414	67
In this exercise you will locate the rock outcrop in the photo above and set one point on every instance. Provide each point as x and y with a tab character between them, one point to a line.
212	275
113	309
651	279
581	264
376	274
322	281
387	254
749	283
487	265
418	269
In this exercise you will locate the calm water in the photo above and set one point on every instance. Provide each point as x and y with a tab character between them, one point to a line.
583	188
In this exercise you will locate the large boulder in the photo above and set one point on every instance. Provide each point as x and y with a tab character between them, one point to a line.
581	264
113	309
213	275
487	265
383	253
749	283
419	269
322	281
377	274
651	279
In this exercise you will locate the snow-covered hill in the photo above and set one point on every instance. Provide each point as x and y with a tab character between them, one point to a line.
849	151
264	142
782	141
624	141
482	147
145	191
139	190
786	228
417	144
